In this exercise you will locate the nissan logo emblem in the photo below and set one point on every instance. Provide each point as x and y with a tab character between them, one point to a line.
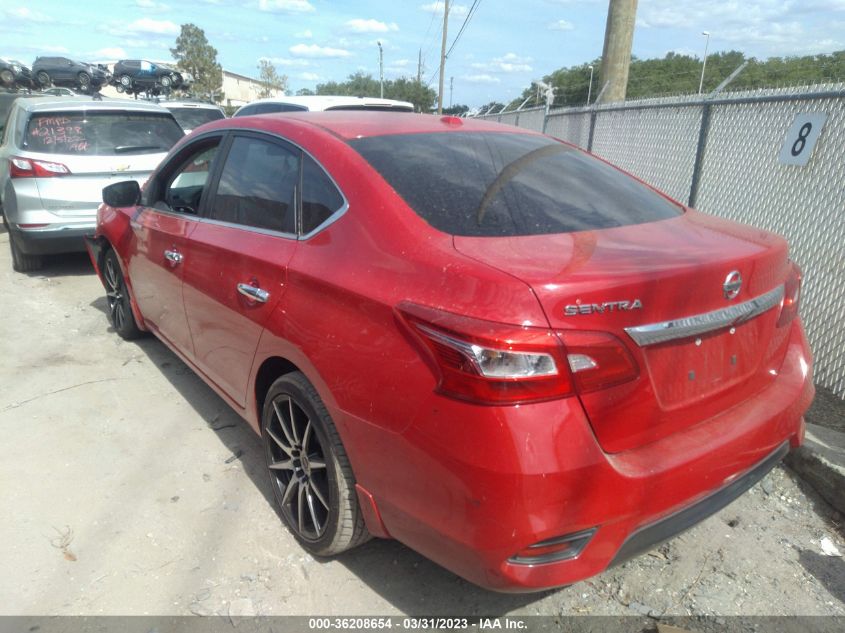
732	285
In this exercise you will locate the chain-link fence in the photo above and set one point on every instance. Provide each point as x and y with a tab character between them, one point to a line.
739	156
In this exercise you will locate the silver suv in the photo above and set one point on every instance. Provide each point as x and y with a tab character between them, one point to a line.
56	156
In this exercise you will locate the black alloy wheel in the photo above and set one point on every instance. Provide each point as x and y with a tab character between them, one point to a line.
310	474
84	79
117	298
43	78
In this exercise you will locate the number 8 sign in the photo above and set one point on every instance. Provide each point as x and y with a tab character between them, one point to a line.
801	138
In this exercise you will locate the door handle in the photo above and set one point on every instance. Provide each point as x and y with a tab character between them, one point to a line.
253	292
174	256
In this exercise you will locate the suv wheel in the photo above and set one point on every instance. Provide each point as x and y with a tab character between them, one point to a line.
166	81
84	80
7	76
43	78
23	262
125	81
309	471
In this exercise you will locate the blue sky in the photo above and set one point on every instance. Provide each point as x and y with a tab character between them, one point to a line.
505	45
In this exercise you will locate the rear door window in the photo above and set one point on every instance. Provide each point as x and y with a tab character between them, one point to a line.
503	184
101	133
192	118
320	197
257	185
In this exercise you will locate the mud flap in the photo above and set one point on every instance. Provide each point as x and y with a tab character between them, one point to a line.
95	251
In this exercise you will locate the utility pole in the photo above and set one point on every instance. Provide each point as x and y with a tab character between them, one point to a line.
616	57
590	89
443	57
380	69
451	87
419	68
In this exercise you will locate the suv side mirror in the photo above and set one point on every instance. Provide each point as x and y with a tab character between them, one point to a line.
122	194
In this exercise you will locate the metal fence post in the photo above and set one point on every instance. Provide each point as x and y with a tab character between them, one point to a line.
699	154
593	116
545	120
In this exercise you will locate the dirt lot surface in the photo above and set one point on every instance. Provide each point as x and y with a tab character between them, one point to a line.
128	487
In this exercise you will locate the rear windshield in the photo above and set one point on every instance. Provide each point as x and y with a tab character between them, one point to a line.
500	184
191	118
101	133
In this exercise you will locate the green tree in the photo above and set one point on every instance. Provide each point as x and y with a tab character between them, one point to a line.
270	80
305	92
195	55
456	110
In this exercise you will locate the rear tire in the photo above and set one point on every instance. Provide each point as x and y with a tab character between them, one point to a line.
165	81
125	81
23	262
43	78
309	471
84	80
117	298
7	76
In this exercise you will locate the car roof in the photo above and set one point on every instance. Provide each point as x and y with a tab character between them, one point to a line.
323	102
66	103
353	124
189	104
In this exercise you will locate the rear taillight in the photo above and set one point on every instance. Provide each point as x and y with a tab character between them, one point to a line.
791	296
30	168
597	360
494	363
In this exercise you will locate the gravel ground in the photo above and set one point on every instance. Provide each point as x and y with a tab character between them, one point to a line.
129	487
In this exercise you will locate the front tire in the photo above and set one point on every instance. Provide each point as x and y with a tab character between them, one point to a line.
7	76
117	297
165	81
43	78
309	471
84	80
126	81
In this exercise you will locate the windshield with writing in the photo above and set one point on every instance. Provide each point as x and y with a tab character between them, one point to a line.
101	133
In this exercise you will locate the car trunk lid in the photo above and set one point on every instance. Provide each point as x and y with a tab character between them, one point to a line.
660	287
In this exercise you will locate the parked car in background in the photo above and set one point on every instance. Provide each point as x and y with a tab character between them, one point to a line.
192	114
63	71
15	74
57	91
319	103
479	340
56	156
139	75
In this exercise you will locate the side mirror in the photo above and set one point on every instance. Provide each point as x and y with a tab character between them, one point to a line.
122	194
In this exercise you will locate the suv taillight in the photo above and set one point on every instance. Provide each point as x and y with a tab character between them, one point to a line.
30	168
791	296
495	363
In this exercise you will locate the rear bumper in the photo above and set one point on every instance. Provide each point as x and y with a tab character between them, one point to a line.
67	239
472	493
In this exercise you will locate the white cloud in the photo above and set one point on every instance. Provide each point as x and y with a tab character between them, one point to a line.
289	63
482	79
561	25
309	76
360	25
437	7
305	35
152	5
156	27
312	50
25	14
510	63
286	6
113	52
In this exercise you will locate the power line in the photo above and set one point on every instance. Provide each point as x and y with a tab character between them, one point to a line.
470	13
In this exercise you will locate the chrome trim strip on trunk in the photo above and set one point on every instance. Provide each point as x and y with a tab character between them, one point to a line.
654	333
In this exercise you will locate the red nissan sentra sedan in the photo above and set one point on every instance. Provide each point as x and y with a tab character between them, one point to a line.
503	352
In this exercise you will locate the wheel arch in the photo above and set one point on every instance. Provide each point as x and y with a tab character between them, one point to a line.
270	370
